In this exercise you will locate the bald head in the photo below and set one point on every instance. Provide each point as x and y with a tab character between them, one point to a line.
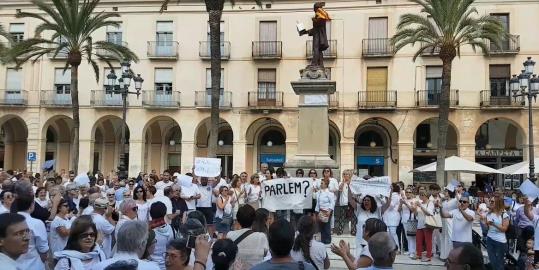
383	249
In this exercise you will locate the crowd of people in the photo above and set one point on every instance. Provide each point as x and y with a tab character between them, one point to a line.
172	221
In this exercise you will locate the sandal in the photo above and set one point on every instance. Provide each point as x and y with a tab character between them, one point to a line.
426	260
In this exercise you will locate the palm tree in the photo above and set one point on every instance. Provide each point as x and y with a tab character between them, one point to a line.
215	12
448	26
72	23
4	45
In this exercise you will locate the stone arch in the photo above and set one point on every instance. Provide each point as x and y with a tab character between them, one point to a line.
106	147
13	139
60	149
161	150
258	149
225	151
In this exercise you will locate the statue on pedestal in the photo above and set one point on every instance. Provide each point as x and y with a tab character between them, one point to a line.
320	41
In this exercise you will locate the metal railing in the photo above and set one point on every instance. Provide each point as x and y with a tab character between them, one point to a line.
330	52
510	45
104	99
265	99
160	100
377	47
109	54
62	54
51	98
488	100
13	97
374	99
431	52
204	50
430	98
333	101
163	49
267	49
203	99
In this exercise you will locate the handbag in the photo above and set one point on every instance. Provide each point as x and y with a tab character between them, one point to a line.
411	226
434	221
323	217
227	219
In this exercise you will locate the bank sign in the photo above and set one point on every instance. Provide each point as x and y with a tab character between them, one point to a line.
498	153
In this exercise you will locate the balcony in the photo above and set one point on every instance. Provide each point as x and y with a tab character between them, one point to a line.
377	47
53	99
163	50
15	98
431	52
109	55
205	53
203	99
329	53
333	101
62	55
377	100
105	99
160	100
431	98
488	101
509	46
267	50
265	100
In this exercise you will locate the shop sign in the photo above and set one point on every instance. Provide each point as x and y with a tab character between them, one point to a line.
370	160
272	158
498	153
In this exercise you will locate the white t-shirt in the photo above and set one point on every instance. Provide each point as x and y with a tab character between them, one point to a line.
226	210
462	228
429	206
58	242
493	232
317	251
143	211
253	193
205	196
221	183
406	214
160	187
106	230
164	199
392	216
188	192
44	203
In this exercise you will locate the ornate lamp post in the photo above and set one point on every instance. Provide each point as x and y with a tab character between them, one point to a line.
527	85
123	89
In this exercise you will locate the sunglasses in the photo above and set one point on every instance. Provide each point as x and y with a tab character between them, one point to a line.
463	201
140	191
110	195
86	235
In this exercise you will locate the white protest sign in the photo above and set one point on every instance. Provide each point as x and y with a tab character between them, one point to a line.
287	193
529	189
207	167
374	186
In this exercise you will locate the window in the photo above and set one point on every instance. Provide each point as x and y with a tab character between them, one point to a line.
17	31
268	31
433	84
115	34
164	33
378	27
14	80
163	81
499	76
504	19
266	84
62	81
107	84
377	85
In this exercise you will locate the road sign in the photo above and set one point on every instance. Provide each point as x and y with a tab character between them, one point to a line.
32	156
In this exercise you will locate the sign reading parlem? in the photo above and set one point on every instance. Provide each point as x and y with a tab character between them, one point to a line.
287	193
374	186
207	167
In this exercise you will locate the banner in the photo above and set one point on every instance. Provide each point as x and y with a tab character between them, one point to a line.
207	167
373	186
287	194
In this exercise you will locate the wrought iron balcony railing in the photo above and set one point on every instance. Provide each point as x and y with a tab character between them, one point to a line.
510	45
152	99
205	53
106	99
13	97
163	49
108	54
265	99
377	47
203	99
267	49
431	98
495	101
53	98
377	99
329	53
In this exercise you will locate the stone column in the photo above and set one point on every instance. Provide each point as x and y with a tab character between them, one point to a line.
347	154
188	156
86	155
239	156
406	162
34	145
466	151
136	156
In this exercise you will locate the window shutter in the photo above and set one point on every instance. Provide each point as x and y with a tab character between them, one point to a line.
377	28
267	75
14	79
165	27
163	75
112	28
62	78
16	27
268	31
434	72
500	71
377	79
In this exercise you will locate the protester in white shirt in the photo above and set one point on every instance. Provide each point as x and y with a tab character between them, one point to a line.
189	193
14	241
254	192
341	207
390	210
131	245
59	230
325	204
407	216
163	233
104	224
39	245
423	208
128	210
203	204
161	198
165	182
463	218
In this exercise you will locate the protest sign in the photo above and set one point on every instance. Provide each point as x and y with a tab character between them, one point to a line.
529	189
374	186
207	167
287	193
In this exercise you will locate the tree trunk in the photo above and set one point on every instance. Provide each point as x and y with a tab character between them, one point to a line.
74	60
443	117
215	12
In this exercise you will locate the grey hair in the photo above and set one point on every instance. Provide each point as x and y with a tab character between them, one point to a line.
23	188
381	246
132	237
126	205
178	186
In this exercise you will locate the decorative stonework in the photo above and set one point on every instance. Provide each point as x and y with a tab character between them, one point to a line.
313	73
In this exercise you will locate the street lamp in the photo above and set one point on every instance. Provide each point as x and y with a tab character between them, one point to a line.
518	84
123	89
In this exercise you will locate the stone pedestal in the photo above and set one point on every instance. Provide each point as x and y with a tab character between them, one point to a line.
313	124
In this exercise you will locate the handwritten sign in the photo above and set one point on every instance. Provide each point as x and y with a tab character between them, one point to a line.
374	186
207	167
529	189
287	193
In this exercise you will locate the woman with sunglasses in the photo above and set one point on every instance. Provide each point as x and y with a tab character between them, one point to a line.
497	222
81	251
253	192
316	185
223	215
462	220
139	195
59	230
405	208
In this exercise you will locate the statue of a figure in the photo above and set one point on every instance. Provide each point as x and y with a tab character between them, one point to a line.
318	32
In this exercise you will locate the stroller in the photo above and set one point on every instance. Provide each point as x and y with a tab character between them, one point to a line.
510	260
